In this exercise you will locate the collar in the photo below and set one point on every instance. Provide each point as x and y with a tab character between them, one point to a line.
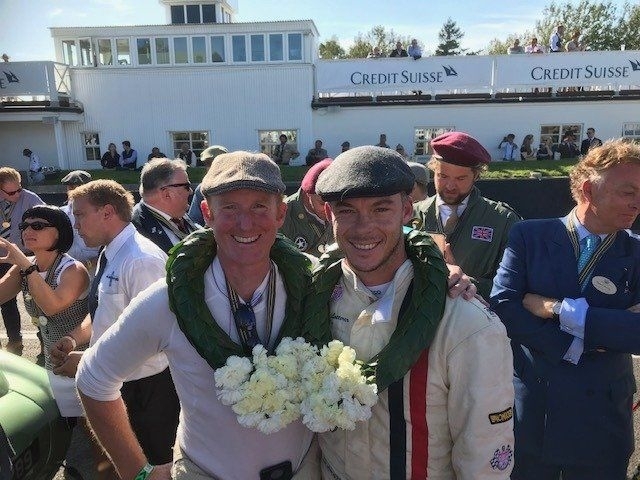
159	212
112	248
220	281
448	208
581	230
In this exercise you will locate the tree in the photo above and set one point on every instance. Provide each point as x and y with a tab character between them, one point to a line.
629	26
499	47
379	37
360	48
331	49
450	36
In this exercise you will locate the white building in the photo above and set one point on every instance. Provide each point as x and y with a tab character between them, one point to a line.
202	79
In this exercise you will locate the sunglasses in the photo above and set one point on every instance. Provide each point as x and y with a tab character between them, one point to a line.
37	226
11	193
246	324
186	185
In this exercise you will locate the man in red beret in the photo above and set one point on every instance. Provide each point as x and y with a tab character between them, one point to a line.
475	227
306	223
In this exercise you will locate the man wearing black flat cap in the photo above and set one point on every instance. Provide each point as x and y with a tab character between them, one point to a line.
442	365
475	227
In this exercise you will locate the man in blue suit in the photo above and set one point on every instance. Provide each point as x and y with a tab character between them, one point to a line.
567	290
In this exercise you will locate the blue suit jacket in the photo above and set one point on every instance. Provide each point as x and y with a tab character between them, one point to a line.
570	414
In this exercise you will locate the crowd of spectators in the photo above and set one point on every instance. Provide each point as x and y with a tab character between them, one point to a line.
547	150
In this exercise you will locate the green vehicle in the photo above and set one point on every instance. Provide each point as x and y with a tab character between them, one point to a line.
33	436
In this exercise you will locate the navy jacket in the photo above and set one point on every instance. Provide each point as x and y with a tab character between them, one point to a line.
570	414
150	227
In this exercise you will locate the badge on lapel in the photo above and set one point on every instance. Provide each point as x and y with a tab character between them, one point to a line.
484	234
604	285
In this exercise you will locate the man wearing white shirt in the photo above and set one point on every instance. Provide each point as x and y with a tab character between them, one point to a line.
128	264
555	42
35	169
235	269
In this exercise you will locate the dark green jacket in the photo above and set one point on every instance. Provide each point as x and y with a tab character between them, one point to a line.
303	229
479	238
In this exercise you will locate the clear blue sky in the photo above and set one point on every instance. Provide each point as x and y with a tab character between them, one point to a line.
24	33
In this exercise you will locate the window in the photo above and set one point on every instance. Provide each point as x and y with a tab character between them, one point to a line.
193	13
275	47
217	49
295	46
180	50
91	142
69	52
177	14
557	132
257	48
162	51
239	48
270	138
199	46
105	56
632	131
422	138
208	14
196	141
144	51
122	49
86	52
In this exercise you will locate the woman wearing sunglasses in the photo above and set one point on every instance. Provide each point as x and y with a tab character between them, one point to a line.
54	286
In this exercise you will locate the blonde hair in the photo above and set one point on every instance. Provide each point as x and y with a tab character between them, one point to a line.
106	192
599	161
8	174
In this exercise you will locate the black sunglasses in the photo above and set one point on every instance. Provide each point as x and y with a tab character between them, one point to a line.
186	185
11	193
246	324
37	226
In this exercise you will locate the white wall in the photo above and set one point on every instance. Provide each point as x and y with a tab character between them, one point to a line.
35	135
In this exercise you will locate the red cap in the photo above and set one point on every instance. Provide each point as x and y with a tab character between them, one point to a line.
460	149
308	184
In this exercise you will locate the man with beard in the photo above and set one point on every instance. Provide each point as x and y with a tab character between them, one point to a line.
475	227
442	365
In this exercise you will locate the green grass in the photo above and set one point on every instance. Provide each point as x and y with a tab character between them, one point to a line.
497	170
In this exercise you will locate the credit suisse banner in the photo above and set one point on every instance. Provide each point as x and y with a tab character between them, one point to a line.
389	74
25	78
568	69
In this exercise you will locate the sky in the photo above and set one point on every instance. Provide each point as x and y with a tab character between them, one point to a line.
24	33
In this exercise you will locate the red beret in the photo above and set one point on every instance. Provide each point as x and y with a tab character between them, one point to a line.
460	149
308	184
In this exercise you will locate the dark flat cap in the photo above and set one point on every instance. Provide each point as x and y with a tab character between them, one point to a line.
345	144
240	170
420	171
311	177
460	149
77	177
365	172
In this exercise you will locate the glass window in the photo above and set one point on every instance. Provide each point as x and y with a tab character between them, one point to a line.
193	13
295	46
422	137
122	49
199	47
195	141
631	130
268	139
105	57
275	47
144	51
177	14
257	48
217	49
557	132
180	50
91	142
162	51
208	14
69	53
239	48
86	55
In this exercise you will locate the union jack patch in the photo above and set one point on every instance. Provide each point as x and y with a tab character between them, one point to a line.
484	234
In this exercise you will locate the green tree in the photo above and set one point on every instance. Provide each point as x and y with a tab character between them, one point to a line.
379	37
360	48
629	26
500	47
331	49
450	36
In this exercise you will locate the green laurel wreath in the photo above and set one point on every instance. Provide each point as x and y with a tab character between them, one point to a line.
186	267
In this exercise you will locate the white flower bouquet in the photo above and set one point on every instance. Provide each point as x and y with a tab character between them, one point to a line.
326	387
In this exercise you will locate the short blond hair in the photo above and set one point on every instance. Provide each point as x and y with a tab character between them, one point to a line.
106	192
599	160
8	174
435	160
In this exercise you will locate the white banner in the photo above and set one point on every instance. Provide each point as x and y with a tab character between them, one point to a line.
568	69
390	74
25	78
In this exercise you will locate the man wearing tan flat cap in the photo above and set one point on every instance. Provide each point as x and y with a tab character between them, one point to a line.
475	227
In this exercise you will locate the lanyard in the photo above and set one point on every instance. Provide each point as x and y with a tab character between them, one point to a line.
172	226
597	255
234	301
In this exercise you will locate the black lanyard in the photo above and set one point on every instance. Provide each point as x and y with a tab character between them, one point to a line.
597	255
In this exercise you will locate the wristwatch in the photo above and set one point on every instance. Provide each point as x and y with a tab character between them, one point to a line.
27	271
555	309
